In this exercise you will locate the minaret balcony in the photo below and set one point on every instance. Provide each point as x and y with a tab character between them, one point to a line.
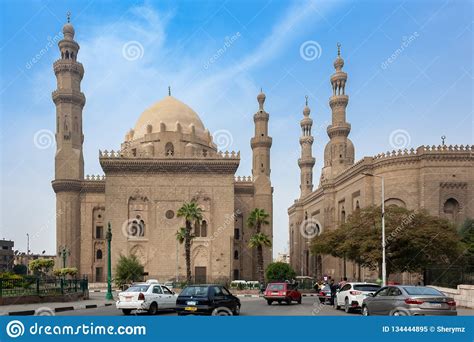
68	65
264	141
338	101
68	96
341	129
306	162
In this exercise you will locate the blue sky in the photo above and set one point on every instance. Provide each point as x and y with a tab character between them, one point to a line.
409	65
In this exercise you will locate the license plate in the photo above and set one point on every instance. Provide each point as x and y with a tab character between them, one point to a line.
190	308
436	305
191	303
274	293
128	299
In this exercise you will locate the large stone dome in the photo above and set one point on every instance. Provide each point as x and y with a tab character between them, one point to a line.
168	111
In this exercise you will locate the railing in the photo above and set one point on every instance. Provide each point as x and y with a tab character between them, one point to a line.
35	286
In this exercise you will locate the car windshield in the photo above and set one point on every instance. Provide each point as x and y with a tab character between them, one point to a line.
422	291
138	288
367	287
276	287
326	288
197	291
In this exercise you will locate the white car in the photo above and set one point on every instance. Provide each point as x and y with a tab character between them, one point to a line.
351	295
150	296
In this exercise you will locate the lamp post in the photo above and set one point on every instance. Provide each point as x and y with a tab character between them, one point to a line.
108	237
384	264
64	253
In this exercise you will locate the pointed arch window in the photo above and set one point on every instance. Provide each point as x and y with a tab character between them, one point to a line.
98	254
169	149
203	229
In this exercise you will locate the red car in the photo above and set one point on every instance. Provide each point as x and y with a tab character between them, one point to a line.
282	292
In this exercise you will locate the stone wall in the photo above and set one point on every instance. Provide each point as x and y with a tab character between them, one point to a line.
463	295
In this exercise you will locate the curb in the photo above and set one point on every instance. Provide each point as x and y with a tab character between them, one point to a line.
59	309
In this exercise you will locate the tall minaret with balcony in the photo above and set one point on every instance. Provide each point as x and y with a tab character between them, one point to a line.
261	144
339	151
306	162
69	161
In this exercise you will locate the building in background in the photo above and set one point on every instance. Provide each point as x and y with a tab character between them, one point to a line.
436	178
283	257
169	158
6	255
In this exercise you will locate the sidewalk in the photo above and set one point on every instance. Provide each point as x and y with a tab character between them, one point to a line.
96	300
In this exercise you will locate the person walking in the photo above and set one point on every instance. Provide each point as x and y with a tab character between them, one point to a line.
334	288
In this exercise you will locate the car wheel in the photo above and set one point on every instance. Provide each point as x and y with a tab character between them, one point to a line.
365	311
236	311
153	310
398	313
288	301
279	302
347	307
126	312
299	300
269	302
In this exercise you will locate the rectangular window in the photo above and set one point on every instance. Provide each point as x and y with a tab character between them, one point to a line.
98	274
99	232
237	233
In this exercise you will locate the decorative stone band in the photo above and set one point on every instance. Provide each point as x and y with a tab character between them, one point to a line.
68	65
67	43
66	96
453	185
308	139
182	165
261	142
210	155
341	129
93	186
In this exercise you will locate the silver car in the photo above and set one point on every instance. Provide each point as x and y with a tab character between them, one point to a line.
401	300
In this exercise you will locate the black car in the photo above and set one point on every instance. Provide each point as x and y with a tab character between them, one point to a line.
207	300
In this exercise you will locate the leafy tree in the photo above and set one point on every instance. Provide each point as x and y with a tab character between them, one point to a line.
410	237
191	214
41	267
128	270
20	269
257	219
279	271
466	232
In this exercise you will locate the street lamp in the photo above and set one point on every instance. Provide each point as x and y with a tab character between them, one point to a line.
384	264
108	237
64	252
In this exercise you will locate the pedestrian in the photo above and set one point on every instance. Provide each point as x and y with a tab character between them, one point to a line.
333	288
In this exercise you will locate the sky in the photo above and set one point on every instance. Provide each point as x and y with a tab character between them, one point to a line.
409	65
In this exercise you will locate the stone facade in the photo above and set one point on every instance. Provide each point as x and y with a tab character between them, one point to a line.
169	158
439	179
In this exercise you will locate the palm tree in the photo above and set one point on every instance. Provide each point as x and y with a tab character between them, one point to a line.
191	213
258	218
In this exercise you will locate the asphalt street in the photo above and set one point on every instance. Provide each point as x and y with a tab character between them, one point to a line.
310	306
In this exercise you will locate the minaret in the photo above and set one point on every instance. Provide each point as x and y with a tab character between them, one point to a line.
261	144
69	161
306	162
339	151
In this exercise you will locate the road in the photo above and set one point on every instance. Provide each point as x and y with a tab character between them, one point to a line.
250	307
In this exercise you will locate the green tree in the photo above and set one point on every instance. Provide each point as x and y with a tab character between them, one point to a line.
466	232
279	271
410	238
256	220
191	214
20	269
128	270
41	267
